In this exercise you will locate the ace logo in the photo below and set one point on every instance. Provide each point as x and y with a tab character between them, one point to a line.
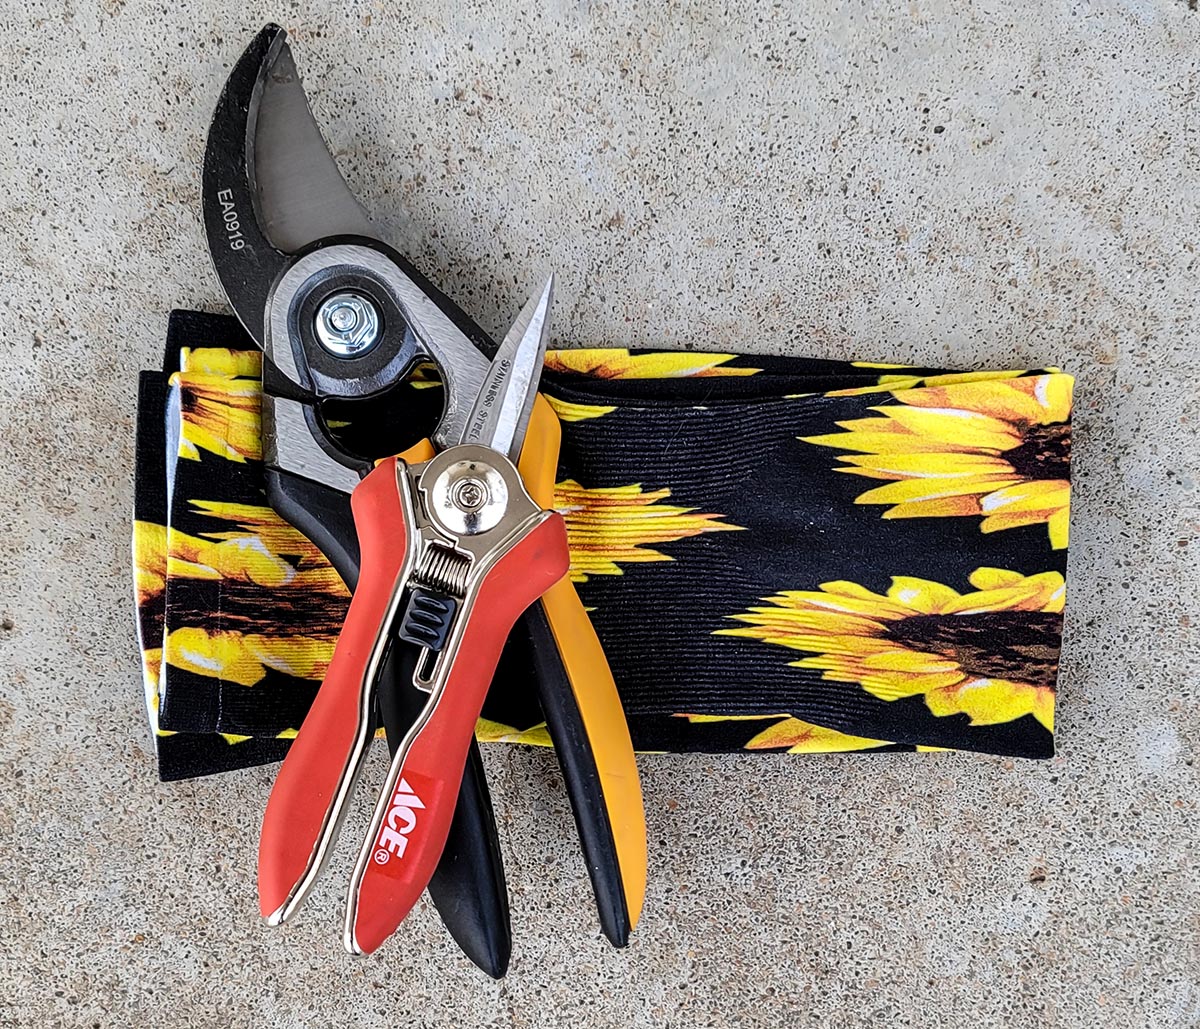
400	821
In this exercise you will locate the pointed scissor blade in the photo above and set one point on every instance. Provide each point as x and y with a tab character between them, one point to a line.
501	413
301	195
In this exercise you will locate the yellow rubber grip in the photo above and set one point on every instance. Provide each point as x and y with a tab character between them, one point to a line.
591	679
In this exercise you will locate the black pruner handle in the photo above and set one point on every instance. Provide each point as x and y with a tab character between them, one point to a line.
602	787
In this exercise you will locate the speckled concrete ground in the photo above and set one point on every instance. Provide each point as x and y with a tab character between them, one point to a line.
1005	184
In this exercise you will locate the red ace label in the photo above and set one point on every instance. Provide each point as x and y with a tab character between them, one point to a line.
399	823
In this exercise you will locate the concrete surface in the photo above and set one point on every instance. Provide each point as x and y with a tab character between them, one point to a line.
1005	184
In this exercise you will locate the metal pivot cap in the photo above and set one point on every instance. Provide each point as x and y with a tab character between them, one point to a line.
469	497
347	324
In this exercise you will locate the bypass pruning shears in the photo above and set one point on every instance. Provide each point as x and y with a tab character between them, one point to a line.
445	546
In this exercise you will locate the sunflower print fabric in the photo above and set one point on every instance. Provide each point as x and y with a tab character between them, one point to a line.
999	450
924	638
611	527
779	555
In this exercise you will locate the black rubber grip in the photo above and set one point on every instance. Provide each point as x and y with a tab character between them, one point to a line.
468	888
584	786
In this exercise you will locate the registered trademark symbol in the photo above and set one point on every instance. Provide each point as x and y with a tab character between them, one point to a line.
381	857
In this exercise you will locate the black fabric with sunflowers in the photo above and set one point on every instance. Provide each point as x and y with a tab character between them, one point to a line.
778	554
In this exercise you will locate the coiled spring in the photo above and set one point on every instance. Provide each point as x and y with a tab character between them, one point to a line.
443	570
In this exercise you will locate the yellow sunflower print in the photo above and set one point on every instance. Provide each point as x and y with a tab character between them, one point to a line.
991	654
149	560
801	737
268	549
611	526
487	731
999	449
570	411
244	658
797	735
262	549
615	363
281	604
221	403
892	383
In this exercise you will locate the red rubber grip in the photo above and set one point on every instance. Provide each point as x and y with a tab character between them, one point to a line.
409	843
322	756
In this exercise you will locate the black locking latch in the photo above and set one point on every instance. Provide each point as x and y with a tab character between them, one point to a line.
427	618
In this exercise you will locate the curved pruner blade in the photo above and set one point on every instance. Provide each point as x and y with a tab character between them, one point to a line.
271	187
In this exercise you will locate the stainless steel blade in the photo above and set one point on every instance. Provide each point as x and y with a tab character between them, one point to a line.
300	194
501	412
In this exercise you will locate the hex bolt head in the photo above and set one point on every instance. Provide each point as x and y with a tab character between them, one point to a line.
347	324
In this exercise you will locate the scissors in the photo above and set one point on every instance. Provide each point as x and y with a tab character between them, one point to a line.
446	546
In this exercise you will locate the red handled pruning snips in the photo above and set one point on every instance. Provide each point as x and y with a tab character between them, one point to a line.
453	551
446	543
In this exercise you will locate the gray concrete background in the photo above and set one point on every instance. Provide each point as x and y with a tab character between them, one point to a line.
1003	184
